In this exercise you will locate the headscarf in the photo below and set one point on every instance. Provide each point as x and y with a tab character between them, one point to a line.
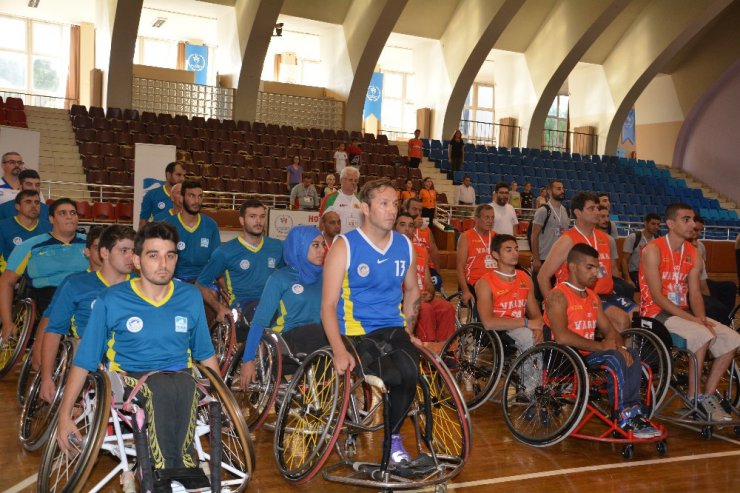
295	253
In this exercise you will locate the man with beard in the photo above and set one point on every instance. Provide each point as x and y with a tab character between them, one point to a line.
621	287
246	262
176	208
633	245
504	214
26	224
198	233
159	199
10	183
549	223
611	227
424	238
330	226
30	180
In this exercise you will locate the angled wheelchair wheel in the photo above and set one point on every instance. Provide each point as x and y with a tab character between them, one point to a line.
545	394
38	416
258	399
60	472
463	313
237	451
655	356
450	423
25	378
223	337
735	318
24	316
474	357
310	417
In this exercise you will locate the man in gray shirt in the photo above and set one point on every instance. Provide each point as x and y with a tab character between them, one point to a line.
305	194
611	229
548	225
631	259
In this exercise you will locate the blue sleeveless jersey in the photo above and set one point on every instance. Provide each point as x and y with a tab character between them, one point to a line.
372	292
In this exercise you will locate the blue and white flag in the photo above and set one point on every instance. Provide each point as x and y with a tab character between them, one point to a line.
628	127
374	97
196	60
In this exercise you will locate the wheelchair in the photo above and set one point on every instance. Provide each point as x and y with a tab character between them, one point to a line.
464	314
226	456
679	406
549	394
24	317
322	411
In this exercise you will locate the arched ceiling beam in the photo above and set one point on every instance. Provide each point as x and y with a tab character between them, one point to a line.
122	46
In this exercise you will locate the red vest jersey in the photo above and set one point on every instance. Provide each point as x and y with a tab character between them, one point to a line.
421	237
582	312
605	283
674	271
509	297
478	252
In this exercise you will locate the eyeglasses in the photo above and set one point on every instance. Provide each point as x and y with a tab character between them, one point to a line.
14	162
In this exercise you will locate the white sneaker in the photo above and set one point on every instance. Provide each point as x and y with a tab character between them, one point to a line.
713	409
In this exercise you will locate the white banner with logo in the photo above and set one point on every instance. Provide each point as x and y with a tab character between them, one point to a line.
279	221
150	162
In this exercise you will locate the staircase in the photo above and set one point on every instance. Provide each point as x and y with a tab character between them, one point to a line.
441	183
709	192
59	158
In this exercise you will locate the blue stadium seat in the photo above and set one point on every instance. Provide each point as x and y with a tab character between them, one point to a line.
435	144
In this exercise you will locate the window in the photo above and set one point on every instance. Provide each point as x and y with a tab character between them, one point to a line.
477	122
398	110
155	52
34	56
555	135
302	48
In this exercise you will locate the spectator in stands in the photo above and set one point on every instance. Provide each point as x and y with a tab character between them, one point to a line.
719	296
465	193
505	215
30	180
176	196
340	158
304	195
611	229
515	198
415	150
354	153
27	223
330	226
294	173
159	199
474	259
456	151
409	191
331	185
428	196
423	237
527	196
198	234
584	205
550	221
542	197
633	245
12	166
345	201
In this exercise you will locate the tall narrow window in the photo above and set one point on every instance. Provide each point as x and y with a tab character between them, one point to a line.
478	118
555	135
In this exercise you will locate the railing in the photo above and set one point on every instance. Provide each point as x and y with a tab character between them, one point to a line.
42	100
299	111
570	141
397	135
181	98
491	134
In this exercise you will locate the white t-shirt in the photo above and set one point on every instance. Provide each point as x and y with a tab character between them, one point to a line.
340	157
348	208
504	219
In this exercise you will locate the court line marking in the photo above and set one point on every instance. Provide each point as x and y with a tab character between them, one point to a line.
23	484
578	470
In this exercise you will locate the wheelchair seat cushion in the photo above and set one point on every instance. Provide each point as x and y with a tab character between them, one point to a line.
678	341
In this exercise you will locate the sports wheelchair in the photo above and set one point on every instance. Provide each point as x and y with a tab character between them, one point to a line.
226	456
679	406
323	411
549	393
24	317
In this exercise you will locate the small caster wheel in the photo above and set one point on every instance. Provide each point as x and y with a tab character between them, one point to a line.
662	447
628	451
706	433
440	488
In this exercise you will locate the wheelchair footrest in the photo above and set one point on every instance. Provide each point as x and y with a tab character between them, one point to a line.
421	465
192	478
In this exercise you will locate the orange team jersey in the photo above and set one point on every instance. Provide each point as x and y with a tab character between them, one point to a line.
422	260
604	282
582	312
415	148
421	238
428	198
674	271
479	261
509	296
405	194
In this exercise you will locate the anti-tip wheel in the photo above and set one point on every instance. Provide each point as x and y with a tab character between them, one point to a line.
706	433
628	451
661	447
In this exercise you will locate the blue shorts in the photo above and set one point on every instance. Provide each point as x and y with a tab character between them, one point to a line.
624	304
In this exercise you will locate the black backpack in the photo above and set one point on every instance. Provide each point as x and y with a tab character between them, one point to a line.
544	225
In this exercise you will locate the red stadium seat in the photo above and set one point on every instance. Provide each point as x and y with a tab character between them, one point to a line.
84	212
125	211
103	212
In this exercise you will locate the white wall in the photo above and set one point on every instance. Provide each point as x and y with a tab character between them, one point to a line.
658	103
591	101
515	95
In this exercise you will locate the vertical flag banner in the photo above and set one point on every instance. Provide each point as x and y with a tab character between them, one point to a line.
196	60
628	127
374	97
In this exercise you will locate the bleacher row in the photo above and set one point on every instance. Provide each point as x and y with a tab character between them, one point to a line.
12	112
636	187
219	149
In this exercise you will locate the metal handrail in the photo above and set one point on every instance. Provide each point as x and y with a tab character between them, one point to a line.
487	132
569	134
32	99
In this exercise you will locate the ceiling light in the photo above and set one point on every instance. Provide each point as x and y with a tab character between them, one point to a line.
159	21
33	3
278	29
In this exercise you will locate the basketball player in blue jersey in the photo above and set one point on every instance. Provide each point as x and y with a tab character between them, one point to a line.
198	233
294	292
159	199
372	296
149	330
74	298
25	224
245	263
176	196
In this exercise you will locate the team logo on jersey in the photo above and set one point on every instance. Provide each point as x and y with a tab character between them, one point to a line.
297	288
17	240
161	205
204	242
270	263
181	324
181	245
363	270
244	264
134	324
92	304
